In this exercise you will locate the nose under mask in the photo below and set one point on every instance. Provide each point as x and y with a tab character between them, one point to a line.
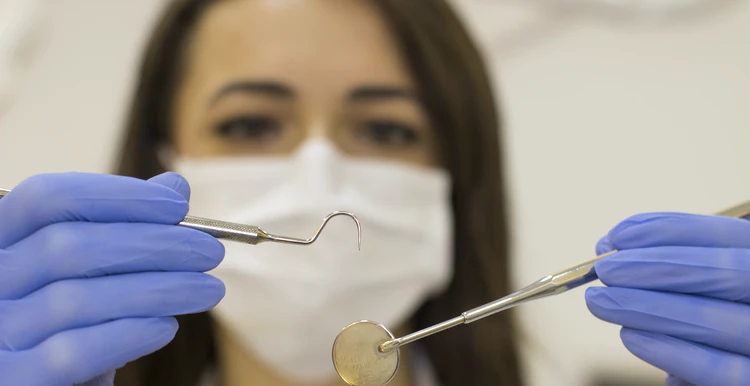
286	303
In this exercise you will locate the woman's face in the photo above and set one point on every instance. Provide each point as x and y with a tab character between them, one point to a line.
263	76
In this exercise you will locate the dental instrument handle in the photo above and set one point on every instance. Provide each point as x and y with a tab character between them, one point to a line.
549	285
249	234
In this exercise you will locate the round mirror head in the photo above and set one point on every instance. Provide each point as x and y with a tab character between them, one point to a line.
356	356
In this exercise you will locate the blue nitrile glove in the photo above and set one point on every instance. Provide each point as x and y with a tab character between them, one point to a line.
680	286
92	268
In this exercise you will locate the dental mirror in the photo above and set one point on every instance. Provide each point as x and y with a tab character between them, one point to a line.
358	358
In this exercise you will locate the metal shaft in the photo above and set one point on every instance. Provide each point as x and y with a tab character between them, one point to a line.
553	284
415	336
549	285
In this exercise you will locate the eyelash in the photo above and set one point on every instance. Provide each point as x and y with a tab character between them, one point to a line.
388	132
252	127
260	128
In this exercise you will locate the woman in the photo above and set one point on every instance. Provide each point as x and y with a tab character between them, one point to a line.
277	113
370	78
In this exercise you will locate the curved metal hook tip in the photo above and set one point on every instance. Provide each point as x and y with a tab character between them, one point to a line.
312	239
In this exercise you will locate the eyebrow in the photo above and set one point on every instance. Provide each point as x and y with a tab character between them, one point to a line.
265	87
380	92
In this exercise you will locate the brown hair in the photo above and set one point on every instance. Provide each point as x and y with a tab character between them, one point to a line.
455	90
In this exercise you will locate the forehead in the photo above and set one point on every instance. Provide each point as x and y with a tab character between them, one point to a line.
325	43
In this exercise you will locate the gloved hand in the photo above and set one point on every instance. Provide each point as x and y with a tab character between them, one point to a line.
680	287
92	268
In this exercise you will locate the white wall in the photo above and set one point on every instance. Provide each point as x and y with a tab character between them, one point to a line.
603	120
70	113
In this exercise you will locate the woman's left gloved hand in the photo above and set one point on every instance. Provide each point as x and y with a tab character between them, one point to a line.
680	287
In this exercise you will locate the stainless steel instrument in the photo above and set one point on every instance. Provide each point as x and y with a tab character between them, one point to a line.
250	234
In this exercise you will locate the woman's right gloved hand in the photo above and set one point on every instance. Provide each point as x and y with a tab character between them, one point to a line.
92	270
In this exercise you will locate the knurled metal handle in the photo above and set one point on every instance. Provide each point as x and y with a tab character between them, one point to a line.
225	230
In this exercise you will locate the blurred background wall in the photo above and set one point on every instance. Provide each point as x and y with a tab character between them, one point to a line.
607	114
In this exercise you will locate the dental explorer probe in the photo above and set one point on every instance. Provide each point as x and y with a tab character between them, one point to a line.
250	234
365	353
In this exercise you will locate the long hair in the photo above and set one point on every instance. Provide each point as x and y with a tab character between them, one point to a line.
453	85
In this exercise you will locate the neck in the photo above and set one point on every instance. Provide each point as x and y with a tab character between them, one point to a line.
238	366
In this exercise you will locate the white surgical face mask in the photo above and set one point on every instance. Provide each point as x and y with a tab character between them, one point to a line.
286	303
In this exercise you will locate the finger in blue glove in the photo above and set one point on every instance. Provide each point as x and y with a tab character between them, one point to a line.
77	356
695	363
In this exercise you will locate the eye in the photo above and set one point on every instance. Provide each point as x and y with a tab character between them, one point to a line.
250	128
388	133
